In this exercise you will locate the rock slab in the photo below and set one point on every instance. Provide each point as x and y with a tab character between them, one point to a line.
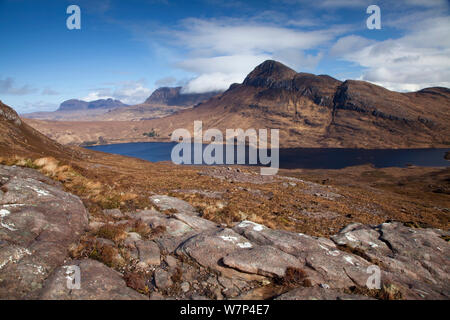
38	223
98	282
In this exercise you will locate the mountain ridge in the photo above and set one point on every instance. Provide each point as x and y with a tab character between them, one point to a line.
320	111
75	104
310	111
162	102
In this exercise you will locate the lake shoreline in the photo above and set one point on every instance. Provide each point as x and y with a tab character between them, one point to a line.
301	158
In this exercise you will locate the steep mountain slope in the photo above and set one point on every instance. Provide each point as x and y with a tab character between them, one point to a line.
314	111
18	138
309	110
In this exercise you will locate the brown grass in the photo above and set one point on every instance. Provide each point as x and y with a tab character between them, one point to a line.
115	233
89	248
137	281
387	292
294	277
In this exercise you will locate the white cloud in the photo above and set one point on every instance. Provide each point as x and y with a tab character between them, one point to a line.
221	51
232	36
218	73
96	95
129	92
226	50
419	59
212	82
353	4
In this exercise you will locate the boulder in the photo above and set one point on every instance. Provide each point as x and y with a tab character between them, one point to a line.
173	204
416	260
149	253
162	279
209	247
114	213
319	258
196	223
171	262
155	219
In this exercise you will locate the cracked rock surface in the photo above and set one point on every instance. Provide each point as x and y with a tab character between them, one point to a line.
98	282
193	258
38	223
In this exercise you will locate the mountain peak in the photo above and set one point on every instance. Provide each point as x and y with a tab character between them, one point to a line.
163	95
270	70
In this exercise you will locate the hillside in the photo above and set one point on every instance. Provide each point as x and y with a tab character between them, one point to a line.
309	110
19	139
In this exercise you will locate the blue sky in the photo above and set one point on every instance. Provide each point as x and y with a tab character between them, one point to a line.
126	49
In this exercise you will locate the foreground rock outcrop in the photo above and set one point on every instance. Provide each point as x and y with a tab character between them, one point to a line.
171	252
38	223
202	259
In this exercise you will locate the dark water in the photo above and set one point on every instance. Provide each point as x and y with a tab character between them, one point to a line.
307	158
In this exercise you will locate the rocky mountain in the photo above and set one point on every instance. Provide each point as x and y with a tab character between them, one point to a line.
310	111
79	110
175	97
73	105
163	102
320	111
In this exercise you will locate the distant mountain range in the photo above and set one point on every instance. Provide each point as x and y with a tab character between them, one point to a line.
310	111
163	102
75	105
